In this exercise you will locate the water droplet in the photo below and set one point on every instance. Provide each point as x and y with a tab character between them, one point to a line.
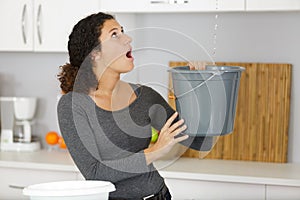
216	26
215	30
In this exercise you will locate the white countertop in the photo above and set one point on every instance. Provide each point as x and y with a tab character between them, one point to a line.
234	171
40	160
184	168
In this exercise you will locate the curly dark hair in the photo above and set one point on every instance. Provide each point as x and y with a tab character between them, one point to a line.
82	40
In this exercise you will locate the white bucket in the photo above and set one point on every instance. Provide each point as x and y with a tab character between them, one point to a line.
70	190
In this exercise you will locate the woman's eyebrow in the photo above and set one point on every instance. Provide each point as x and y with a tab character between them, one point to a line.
113	29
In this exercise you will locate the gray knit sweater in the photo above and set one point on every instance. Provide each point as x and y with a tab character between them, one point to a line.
109	145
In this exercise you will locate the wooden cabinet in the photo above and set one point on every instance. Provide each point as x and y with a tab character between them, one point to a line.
40	25
13	180
272	5
145	6
197	189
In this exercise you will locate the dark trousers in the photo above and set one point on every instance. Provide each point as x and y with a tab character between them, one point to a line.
163	194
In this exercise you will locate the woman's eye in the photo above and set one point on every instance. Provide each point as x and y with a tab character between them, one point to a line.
114	35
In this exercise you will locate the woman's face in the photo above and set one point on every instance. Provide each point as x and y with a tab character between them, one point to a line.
115	47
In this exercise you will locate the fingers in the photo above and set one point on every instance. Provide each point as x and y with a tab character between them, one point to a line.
178	131
192	66
169	122
173	130
198	65
175	125
169	136
179	139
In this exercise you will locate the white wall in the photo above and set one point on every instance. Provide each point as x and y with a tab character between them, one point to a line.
241	37
33	74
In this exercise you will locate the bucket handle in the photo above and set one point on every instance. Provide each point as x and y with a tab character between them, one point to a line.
217	73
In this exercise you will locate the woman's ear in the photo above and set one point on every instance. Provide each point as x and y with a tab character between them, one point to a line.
95	55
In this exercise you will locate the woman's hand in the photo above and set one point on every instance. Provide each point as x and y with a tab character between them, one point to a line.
198	65
166	140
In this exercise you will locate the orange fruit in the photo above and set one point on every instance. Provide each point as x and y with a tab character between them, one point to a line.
62	143
52	138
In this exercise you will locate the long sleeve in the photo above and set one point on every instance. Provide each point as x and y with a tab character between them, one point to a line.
160	112
78	122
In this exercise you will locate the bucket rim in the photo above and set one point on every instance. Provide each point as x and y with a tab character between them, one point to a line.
92	187
208	69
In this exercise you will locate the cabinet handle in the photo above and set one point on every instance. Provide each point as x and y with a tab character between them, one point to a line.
38	23
159	1
23	23
16	187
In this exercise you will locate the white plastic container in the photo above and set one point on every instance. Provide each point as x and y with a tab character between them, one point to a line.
70	190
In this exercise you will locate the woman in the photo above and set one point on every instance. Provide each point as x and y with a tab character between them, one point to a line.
106	123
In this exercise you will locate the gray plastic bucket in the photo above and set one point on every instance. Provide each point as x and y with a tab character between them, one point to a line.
206	99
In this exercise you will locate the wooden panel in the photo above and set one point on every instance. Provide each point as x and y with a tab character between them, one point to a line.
262	116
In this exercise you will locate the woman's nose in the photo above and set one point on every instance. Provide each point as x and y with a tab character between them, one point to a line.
127	39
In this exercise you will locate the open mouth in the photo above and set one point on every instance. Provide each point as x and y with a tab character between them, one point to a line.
128	54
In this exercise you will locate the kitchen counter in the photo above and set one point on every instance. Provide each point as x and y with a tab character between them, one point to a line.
286	174
234	171
39	160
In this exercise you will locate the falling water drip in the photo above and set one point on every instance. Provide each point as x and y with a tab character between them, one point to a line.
215	31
